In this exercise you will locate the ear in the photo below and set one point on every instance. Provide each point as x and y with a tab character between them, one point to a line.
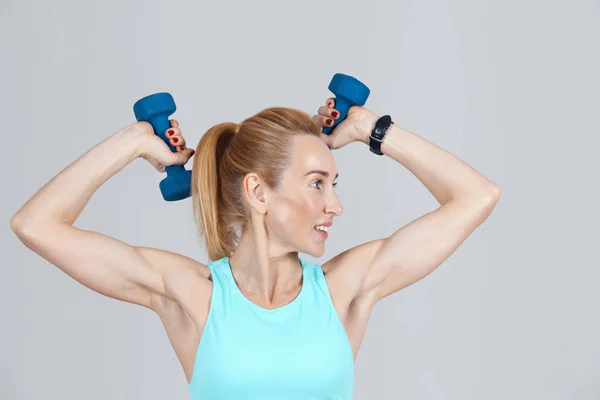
254	189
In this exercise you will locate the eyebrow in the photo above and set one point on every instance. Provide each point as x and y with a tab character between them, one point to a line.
317	171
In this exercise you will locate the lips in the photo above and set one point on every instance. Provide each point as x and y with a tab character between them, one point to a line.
326	223
321	234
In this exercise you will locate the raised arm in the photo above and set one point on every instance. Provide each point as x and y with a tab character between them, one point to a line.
378	268
104	264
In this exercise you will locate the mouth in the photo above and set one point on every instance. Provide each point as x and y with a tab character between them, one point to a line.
320	233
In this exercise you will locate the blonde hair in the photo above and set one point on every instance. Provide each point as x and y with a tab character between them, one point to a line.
225	154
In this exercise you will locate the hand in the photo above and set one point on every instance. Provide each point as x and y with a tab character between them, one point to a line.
355	127
154	150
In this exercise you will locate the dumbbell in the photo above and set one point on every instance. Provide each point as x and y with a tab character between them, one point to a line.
156	109
348	91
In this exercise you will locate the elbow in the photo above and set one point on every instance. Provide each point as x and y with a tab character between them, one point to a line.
490	202
492	195
16	223
487	196
22	226
19	227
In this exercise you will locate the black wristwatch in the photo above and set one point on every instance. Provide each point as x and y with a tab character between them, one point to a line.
377	134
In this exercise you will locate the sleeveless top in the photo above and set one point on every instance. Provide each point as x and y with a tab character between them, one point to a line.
297	351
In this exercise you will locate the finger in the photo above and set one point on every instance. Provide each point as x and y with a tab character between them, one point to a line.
177	140
175	137
174	123
329	112
330	102
173	132
324	121
182	157
188	153
182	148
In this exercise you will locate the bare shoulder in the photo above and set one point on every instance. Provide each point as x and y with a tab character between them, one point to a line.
346	274
188	284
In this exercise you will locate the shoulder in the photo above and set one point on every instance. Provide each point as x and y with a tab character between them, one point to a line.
346	274
187	282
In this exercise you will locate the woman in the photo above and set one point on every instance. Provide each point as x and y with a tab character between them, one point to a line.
258	321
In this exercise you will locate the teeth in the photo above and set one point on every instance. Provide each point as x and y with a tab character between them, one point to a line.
322	228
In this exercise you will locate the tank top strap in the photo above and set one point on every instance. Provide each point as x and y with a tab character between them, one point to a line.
318	294
217	272
221	285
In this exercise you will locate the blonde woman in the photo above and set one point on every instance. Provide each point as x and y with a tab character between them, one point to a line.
259	322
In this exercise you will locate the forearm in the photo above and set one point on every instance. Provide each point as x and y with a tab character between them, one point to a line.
63	198
445	175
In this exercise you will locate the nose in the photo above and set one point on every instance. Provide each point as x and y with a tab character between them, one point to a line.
334	205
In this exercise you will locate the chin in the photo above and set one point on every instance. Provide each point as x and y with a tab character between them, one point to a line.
316	251
315	248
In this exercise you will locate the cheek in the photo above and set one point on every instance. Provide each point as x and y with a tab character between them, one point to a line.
296	212
308	207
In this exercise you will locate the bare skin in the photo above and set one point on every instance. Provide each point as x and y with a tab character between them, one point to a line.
265	264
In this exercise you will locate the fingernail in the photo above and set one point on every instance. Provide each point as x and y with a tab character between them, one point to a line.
170	132
335	114
329	121
175	140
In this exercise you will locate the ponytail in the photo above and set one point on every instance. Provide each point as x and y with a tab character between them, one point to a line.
206	190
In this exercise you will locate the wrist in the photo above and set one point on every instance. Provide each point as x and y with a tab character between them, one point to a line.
365	127
136	135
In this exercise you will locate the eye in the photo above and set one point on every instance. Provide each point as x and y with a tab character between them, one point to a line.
321	181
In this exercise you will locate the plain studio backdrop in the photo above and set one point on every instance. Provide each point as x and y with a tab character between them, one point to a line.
510	87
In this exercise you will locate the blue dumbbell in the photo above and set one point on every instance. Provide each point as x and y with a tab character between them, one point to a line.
156	110
348	92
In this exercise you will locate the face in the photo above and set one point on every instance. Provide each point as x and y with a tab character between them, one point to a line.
305	199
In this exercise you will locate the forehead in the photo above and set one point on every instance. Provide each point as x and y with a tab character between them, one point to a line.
311	153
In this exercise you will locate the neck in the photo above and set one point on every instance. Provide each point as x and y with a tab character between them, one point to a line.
262	268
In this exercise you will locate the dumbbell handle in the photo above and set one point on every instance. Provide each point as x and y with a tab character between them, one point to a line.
343	106
161	123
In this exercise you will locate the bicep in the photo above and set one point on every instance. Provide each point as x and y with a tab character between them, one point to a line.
101	263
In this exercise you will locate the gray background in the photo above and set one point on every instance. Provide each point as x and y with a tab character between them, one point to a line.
511	87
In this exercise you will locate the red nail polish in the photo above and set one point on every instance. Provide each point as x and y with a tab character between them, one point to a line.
170	132
334	114
329	121
175	140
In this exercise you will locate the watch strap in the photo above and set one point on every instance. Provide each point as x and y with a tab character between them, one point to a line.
378	133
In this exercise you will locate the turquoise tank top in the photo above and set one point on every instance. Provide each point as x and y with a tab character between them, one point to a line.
297	351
